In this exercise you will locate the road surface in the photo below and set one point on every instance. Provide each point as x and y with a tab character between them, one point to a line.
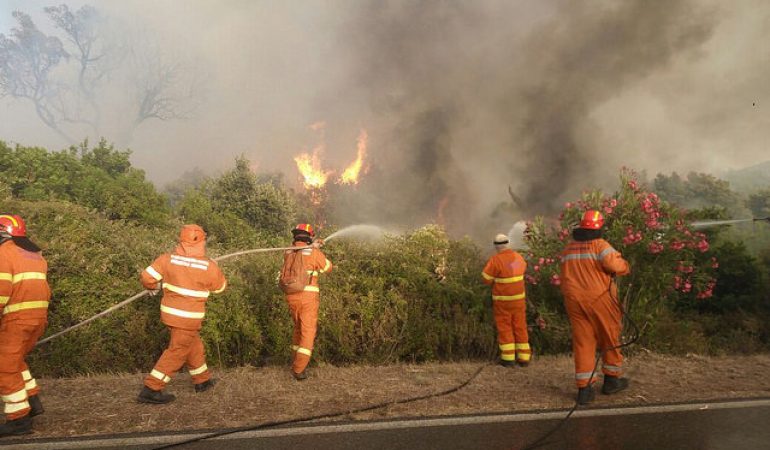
714	426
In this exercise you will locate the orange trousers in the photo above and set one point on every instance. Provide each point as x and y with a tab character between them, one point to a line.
596	324
512	336
184	347
17	338
304	313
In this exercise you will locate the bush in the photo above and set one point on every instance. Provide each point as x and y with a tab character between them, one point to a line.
100	178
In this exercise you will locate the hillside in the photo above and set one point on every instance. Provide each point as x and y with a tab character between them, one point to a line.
751	178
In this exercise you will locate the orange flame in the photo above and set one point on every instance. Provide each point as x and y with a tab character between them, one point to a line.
350	174
310	168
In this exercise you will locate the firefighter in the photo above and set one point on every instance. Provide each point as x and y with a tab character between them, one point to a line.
187	278
304	305
588	265
24	297
505	272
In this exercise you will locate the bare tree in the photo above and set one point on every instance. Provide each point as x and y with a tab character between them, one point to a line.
82	30
27	60
166	88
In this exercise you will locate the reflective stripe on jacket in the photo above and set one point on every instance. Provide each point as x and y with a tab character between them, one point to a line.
505	272
24	290
187	284
587	268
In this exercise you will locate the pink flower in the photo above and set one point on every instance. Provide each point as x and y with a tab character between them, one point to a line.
677	245
655	248
613	203
703	246
536	268
541	261
568	205
677	282
607	210
555	280
530	279
714	263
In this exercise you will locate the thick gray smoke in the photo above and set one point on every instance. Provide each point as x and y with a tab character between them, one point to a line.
460	99
491	94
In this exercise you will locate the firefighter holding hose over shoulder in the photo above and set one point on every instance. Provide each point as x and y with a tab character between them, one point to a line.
588	265
187	278
24	297
299	280
505	272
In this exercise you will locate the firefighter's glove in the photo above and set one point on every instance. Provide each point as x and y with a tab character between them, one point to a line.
155	291
318	243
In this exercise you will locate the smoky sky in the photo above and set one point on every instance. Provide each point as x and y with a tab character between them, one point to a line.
460	99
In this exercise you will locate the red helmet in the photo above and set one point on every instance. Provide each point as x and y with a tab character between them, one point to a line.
13	225
304	228
592	219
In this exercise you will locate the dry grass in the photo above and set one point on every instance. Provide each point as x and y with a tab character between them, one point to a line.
249	396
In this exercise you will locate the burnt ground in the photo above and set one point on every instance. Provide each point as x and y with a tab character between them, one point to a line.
245	396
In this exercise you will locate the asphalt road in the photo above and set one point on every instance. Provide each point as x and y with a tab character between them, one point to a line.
713	426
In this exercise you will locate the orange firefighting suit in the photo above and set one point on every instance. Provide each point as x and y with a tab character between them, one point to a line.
592	306
24	297
505	272
304	308
188	277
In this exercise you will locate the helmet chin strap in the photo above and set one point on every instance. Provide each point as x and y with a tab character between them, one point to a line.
4	237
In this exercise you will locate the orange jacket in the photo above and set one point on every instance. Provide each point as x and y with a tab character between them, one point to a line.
24	291
187	283
505	272
316	263
587	268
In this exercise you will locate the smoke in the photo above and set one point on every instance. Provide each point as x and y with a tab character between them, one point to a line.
492	94
460	99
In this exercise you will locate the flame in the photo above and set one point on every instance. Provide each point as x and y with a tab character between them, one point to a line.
350	174
310	168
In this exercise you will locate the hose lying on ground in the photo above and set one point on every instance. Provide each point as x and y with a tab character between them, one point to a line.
328	415
145	292
542	440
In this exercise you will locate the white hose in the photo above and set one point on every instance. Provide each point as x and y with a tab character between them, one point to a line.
145	292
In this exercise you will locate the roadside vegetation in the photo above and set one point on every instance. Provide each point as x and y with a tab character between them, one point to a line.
412	297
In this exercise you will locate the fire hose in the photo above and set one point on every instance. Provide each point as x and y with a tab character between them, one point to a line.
146	292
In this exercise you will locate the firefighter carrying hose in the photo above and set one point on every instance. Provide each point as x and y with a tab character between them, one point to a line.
187	278
505	272
299	280
588	264
24	297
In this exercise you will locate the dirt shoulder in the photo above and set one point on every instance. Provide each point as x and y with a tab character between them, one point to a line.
249	396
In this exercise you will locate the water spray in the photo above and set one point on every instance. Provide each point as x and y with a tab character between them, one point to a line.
516	236
369	231
716	223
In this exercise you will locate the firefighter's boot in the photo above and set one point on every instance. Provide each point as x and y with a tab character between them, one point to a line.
36	406
300	376
148	395
205	386
613	385
22	425
586	395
